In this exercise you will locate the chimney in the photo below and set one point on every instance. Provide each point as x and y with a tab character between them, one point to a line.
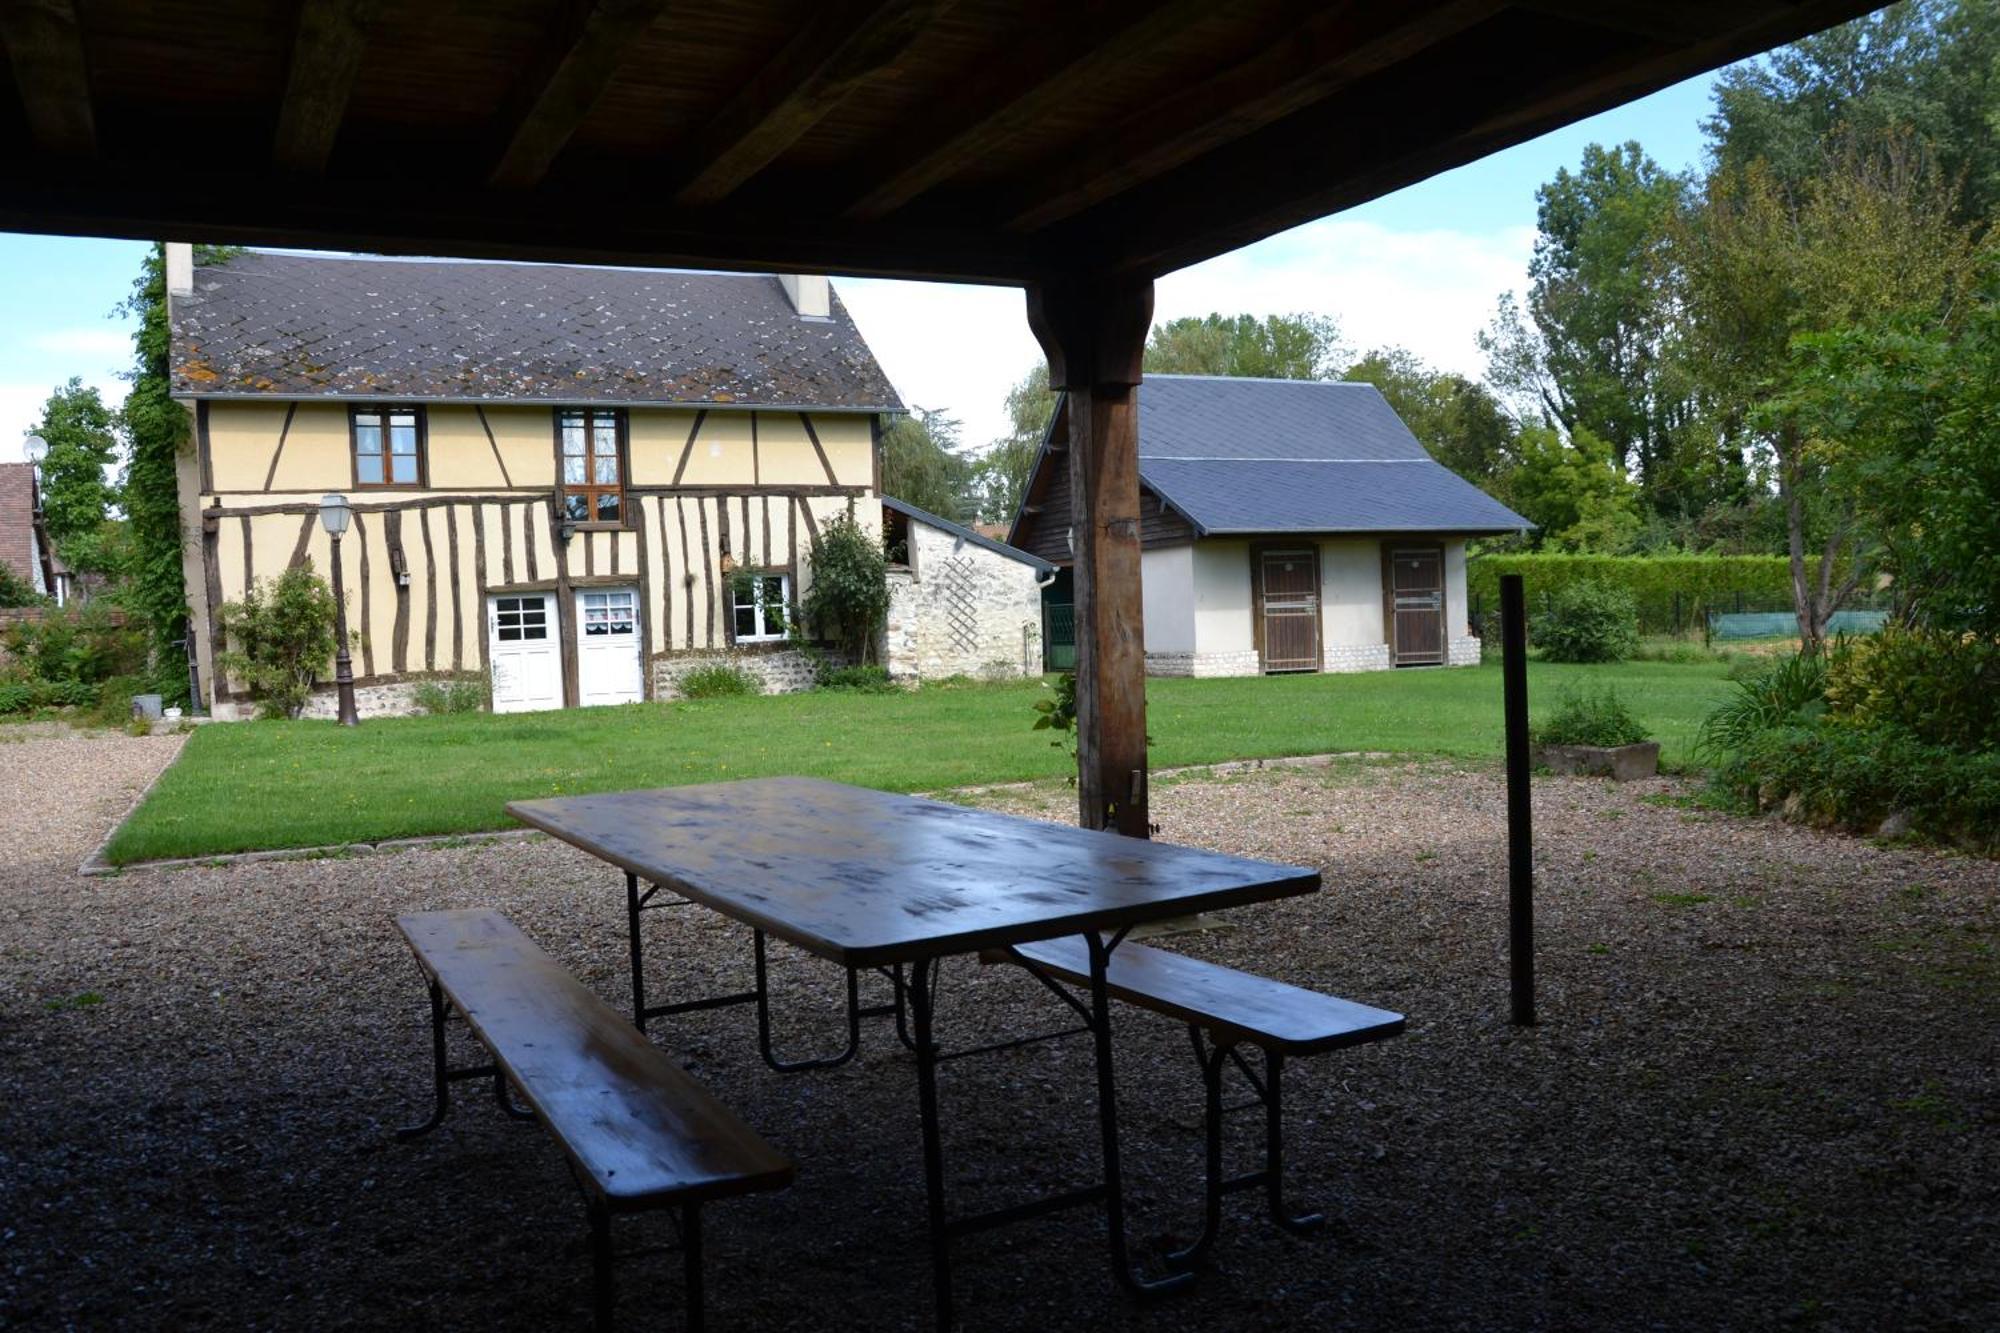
180	269
808	293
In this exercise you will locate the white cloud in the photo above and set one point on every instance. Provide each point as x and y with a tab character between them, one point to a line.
21	408
960	348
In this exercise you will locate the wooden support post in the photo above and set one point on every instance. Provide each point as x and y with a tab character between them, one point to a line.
1520	834
1093	334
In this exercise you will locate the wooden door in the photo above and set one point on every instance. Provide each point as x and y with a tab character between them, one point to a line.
1288	594
1416	600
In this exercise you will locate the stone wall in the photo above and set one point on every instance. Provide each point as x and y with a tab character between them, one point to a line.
393	700
961	609
1355	657
780	671
1245	663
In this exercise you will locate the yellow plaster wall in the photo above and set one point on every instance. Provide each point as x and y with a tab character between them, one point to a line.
721	453
241	438
655	440
461	458
527	440
850	447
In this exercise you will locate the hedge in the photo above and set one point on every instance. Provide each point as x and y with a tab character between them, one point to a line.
1671	591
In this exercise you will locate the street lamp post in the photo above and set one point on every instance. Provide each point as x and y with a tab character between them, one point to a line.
334	513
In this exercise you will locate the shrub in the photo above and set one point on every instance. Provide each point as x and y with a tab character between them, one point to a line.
1588	622
283	629
459	694
79	645
1786	692
720	681
1940	688
114	699
1853	778
858	679
17	591
847	600
1670	592
16	696
1585	717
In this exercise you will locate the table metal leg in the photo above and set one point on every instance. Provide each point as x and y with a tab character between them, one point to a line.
1107	1119
921	992
764	1021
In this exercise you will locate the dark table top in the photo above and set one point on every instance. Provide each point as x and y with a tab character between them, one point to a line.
869	878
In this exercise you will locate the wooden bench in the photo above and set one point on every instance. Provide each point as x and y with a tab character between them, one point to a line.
639	1133
1225	1009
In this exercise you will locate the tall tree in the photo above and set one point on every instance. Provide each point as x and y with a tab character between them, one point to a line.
1002	471
923	464
1460	422
1285	347
1598	298
76	494
1871	240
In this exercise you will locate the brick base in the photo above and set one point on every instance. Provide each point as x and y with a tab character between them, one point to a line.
396	700
1244	663
1463	652
1346	657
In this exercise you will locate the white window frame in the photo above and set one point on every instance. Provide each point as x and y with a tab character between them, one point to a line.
769	630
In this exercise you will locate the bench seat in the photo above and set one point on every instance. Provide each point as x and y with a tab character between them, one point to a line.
1233	1005
638	1130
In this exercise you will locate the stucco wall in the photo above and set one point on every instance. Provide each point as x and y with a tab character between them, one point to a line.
1166	586
1222	598
1457	615
961	609
1351	593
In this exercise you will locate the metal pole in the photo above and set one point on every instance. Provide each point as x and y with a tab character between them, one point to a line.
1520	835
343	666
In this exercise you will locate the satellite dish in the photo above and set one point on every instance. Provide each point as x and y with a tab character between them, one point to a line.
34	448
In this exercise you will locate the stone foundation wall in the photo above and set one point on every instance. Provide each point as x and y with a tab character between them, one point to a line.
1245	663
1343	657
785	671
397	700
1463	651
960	609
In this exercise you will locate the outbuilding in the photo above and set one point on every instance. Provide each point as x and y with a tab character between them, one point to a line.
1286	526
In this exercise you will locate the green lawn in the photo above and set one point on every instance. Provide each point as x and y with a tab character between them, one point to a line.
263	785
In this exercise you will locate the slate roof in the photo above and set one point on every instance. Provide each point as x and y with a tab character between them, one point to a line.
1243	456
291	326
963	533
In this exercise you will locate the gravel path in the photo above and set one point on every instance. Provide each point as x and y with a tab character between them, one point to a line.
1764	1090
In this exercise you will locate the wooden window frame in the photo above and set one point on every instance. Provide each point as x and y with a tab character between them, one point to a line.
355	411
624	455
784	603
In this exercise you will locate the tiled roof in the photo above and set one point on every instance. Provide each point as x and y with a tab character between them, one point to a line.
1248	455
289	326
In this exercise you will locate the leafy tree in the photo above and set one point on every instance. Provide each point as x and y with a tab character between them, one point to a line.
1286	347
1871	241
16	590
282	638
923	464
1002	471
1460	422
847	599
76	496
1570	489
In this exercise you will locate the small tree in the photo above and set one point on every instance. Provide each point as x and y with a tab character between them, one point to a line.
283	632
76	496
847	601
1589	622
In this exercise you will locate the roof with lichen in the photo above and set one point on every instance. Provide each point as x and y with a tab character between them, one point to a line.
262	325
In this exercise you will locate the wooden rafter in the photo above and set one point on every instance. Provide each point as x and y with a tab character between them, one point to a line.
1049	70
1323	55
556	96
45	47
809	77
326	59
1685	21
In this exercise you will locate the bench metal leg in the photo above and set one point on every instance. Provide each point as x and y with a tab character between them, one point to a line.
441	1103
1274	1150
602	1288
1211	1060
764	1020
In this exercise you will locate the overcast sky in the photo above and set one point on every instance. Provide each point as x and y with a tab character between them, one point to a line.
1421	268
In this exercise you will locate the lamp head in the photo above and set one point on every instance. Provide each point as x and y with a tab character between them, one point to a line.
334	513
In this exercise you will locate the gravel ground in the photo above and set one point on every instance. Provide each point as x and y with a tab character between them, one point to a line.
1763	1092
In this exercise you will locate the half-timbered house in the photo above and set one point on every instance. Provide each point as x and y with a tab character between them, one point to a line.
576	482
1284	525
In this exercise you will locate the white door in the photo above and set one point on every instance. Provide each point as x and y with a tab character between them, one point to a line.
607	646
524	648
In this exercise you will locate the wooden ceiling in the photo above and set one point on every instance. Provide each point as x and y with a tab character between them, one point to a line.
976	140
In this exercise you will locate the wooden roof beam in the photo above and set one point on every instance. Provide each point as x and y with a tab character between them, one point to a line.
45	46
1053	66
327	45
1680	23
808	78
559	93
1321	56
